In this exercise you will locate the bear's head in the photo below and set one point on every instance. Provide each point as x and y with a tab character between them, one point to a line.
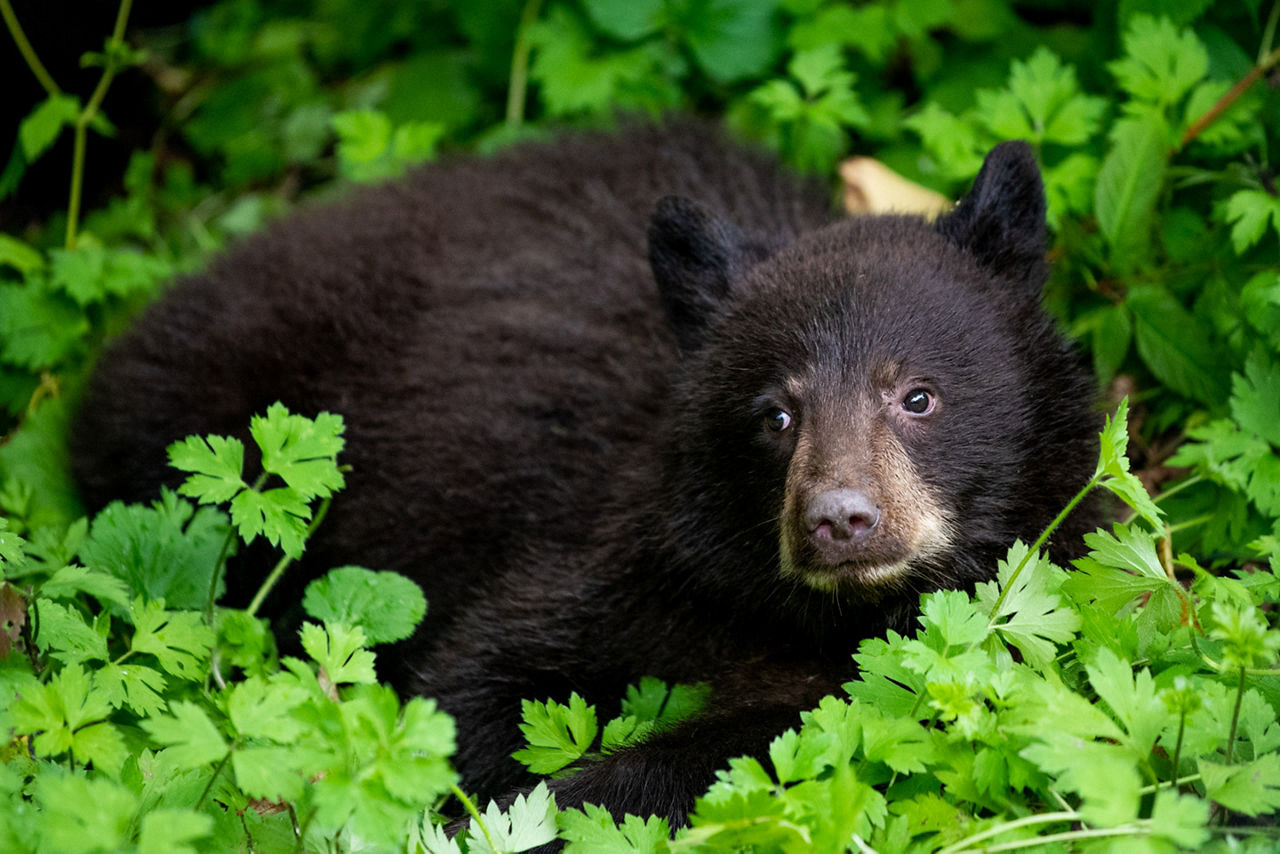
875	409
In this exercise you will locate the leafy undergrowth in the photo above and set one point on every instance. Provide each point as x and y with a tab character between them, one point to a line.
1128	703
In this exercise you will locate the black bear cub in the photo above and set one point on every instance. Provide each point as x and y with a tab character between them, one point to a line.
628	405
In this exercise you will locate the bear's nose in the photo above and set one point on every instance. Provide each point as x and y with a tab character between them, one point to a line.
842	515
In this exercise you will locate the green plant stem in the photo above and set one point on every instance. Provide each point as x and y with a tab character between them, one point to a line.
1068	836
1028	821
1269	31
1177	750
1230	97
284	562
220	565
474	813
27	51
1041	540
208	787
519	82
1235	718
1178	487
87	115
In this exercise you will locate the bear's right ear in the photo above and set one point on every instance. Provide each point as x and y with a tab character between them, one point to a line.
694	255
1002	219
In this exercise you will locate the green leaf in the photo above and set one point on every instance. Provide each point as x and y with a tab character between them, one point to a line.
363	135
1162	63
1129	184
134	685
556	734
1132	698
628	20
215	463
1032	616
280	515
1176	346
39	328
41	127
168	550
166	830
1248	211
731	39
179	640
83	814
340	651
71	580
386	605
591	829
188	735
1252	788
261	709
64	634
301	451
530	821
651	700
1042	103
1110	341
19	255
1255	396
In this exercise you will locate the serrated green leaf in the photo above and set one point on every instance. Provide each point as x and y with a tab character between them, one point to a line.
591	830
1252	788
340	651
166	550
188	735
134	685
301	451
386	605
39	328
63	633
71	580
167	830
215	463
530	821
1249	211
1132	698
1129	184
280	515
1161	62
82	814
1032	616
271	772
100	745
179	640
261	709
556	734
1176	346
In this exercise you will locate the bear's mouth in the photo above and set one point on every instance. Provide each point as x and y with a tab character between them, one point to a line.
870	578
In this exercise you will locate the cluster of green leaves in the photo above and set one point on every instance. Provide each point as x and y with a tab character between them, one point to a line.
141	717
144	715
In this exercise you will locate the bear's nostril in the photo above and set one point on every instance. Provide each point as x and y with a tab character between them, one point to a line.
841	515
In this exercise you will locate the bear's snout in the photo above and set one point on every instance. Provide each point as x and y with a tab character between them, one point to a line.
841	517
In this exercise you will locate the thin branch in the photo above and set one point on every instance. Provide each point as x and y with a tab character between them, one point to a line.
1232	95
27	51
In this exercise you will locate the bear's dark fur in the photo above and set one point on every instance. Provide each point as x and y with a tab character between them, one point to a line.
731	477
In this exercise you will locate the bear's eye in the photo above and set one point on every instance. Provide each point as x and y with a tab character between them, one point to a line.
918	402
777	420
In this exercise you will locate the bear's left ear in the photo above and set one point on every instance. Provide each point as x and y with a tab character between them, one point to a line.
1002	219
695	256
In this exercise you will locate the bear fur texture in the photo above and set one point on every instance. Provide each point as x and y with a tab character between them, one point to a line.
732	475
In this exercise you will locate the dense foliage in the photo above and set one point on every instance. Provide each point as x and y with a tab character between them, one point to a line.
1130	704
